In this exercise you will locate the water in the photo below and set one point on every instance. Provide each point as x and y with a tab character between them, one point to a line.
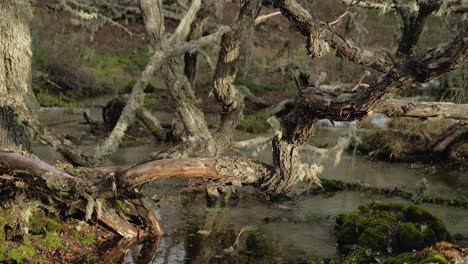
300	228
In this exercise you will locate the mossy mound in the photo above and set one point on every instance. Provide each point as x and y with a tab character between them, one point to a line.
389	227
411	258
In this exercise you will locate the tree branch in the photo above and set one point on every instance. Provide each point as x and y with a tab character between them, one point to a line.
345	105
316	30
413	24
225	92
400	108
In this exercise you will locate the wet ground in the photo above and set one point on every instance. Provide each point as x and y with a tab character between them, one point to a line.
300	228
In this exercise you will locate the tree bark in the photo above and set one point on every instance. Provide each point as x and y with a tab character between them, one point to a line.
317	31
402	108
15	73
225	92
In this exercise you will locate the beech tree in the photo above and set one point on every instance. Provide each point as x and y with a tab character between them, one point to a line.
200	154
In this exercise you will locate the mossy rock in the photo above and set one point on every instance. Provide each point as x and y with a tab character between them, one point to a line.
408	237
417	214
439	229
374	238
382	227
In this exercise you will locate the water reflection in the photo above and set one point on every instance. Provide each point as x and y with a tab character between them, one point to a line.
286	232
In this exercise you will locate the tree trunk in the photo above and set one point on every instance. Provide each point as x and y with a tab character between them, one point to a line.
15	74
296	129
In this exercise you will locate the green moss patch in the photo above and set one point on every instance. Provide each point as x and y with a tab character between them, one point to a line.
389	227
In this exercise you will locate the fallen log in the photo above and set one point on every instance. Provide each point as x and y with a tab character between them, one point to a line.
93	190
393	107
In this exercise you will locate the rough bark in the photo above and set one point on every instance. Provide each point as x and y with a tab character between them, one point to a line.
314	103
182	91
348	105
453	6
225	92
400	108
15	73
413	24
208	9
317	32
92	188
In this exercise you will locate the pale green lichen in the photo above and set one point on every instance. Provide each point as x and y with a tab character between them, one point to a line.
61	186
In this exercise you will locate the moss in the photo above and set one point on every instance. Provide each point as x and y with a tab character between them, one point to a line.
86	238
458	237
409	238
435	258
3	252
340	219
89	239
374	225
22	253
382	206
358	255
254	124
430	237
440	230
52	240
373	238
400	259
347	235
40	223
417	213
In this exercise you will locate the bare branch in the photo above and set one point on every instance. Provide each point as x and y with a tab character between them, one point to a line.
369	4
347	105
261	19
136	96
183	28
316	30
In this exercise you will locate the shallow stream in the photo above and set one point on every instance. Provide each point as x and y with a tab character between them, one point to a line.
300	228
